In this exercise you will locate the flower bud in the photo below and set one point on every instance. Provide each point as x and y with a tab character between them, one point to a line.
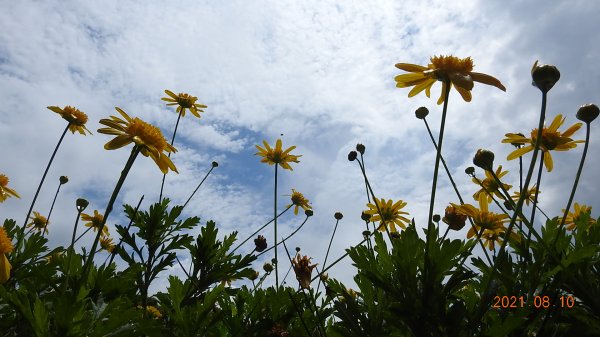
261	243
365	216
470	170
338	216
587	113
436	218
215	164
297	249
422	112
366	234
484	159
308	212
352	155
454	220
324	277
254	275
274	261
508	205
63	180
267	267
544	76
360	148
81	204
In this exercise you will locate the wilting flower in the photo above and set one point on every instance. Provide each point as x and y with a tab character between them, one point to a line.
274	156
552	139
573	217
95	222
75	117
148	137
459	72
303	270
38	222
260	243
184	101
482	217
490	185
391	213
454	220
298	200
529	195
107	244
6	247
5	191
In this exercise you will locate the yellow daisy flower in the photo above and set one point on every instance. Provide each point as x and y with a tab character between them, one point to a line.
529	195
482	217
6	247
95	222
153	311
148	137
490	185
184	102
390	214
38	222
552	139
574	216
273	156
299	200
5	191
75	117
106	243
443	68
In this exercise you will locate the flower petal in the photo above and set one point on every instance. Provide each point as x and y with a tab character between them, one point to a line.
487	79
412	68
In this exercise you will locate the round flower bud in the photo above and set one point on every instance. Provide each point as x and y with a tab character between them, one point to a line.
297	249
484	159
422	112
274	261
81	204
215	164
63	180
587	113
366	234
360	148
544	76
324	277
308	212
470	170
436	218
253	276
365	216
352	155
508	205
454	220
267	267
261	243
338	216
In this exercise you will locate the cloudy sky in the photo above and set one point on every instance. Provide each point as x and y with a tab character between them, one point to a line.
319	72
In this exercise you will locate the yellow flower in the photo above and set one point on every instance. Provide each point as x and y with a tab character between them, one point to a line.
552	139
153	311
184	101
303	270
482	217
529	195
38	222
273	156
148	137
75	117
106	243
443	68
390	213
5	191
573	217
95	222
490	185
6	247
299	200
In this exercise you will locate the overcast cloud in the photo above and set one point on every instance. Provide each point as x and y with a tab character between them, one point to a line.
319	72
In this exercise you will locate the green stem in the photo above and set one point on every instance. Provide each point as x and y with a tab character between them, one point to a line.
328	248
275	229
261	228
383	223
116	249
37	192
535	206
284	239
51	208
162	184
197	187
90	259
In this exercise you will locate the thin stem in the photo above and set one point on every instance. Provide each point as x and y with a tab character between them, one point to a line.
82	234
275	231
383	223
364	169
70	250
261	228
162	184
197	187
284	239
37	192
328	248
90	259
535	199
116	249
579	170
51	208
